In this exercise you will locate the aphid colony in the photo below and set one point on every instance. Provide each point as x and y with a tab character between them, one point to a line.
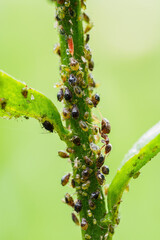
76	91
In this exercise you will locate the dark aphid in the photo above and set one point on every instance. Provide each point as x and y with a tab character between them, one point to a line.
24	92
48	126
88	161
83	125
67	3
91	81
65	179
86	185
69	200
84	224
72	80
86	115
89	102
76	140
70	150
73	183
87	38
105	126
75	112
86	17
63	154
105	170
100	177
75	219
3	103
88	27
85	174
108	148
95	99
78	206
78	91
61	30
60	95
66	113
111	228
95	195
91	204
57	17
100	161
67	94
105	137
74	64
72	13
91	65
57	50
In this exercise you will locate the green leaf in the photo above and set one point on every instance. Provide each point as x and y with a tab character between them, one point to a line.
142	152
17	100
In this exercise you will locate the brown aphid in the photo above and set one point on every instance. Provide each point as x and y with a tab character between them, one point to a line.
100	177
85	174
78	206
76	140
83	5
77	91
95	99
95	195
86	185
84	224
3	103
89	102
75	112
106	187
66	113
86	17
88	27
108	148
105	126
75	219
24	92
70	150
105	170
87	52
83	125
88	161
63	154
87	38
91	65
56	50
69	200
86	115
91	204
91	81
74	64
73	183
60	95
65	179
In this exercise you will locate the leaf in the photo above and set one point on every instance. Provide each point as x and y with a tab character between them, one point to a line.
142	152
17	100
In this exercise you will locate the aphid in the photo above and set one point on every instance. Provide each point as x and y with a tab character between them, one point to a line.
84	224
70	150
48	126
89	213
136	175
73	183
87	38
63	154
24	92
67	3
71	45
86	115
72	13
100	161
105	170
88	27
87	236
75	219
91	81
77	178
80	76
85	174
77	91
91	204
118	220
3	103
66	113
87	52
69	200
72	80
94	148
89	102
91	65
86	17
88	161
95	195
75	112
56	49
61	30
94	221
60	13
67	94
100	177
78	206
106	187
65	179
95	99
105	126
83	125
111	228
108	148
60	95
76	140
86	185
83	5
74	64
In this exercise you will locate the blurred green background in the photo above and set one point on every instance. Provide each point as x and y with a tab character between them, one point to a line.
126	47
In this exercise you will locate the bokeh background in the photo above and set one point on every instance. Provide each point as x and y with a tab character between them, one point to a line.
126	46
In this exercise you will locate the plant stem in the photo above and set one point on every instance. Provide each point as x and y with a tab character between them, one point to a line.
71	25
